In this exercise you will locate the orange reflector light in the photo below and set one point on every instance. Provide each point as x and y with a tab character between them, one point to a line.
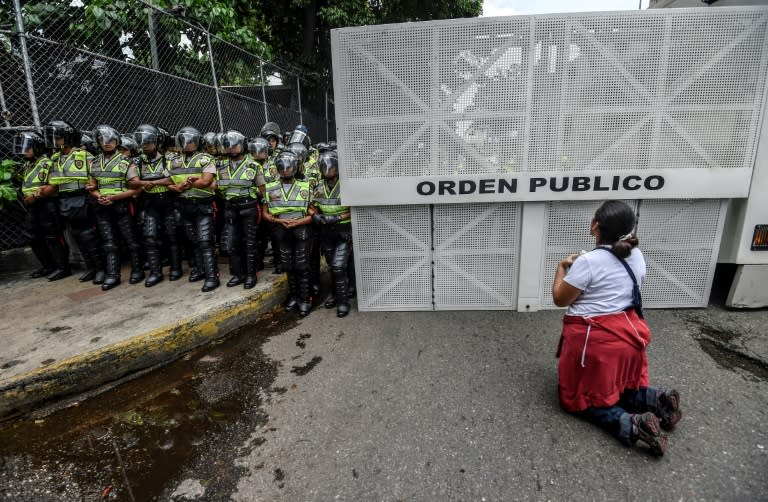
760	239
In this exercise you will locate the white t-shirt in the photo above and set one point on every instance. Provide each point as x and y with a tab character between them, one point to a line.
605	284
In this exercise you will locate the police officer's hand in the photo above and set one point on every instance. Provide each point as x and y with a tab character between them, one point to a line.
104	200
29	199
91	186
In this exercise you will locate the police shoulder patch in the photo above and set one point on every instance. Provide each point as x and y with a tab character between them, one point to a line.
41	176
304	194
204	161
79	164
250	174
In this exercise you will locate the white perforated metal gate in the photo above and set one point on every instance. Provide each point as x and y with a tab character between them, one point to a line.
533	114
679	239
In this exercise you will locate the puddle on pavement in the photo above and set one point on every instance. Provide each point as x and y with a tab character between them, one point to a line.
719	345
139	440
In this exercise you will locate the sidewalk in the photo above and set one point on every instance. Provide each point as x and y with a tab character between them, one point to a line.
67	337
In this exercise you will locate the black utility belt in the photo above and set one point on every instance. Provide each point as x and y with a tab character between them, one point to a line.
242	200
195	201
156	195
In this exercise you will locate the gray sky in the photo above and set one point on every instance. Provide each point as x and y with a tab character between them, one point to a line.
520	7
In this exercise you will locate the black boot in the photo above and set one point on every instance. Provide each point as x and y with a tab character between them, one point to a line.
293	292
112	276
43	255
175	257
198	272
137	270
60	253
59	273
235	269
342	310
211	270
251	267
155	267
330	302
304	308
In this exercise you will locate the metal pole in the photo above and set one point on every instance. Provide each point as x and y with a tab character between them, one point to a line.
153	39
326	115
215	82
298	88
27	68
3	108
263	92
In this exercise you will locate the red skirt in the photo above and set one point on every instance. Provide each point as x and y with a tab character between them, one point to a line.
600	357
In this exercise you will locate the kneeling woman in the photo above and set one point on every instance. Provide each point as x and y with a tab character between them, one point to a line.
603	370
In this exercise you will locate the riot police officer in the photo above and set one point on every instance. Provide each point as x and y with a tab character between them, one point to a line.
209	143
128	147
193	174
258	150
68	178
41	220
288	207
312	178
150	173
236	181
334	220
271	132
115	210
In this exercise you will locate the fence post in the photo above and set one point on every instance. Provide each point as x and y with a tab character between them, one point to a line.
215	82
27	68
263	92
3	108
326	116
153	39
298	88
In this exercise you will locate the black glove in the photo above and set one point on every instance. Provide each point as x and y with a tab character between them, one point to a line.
318	219
331	220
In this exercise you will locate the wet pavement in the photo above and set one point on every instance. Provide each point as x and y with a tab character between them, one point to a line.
401	406
131	442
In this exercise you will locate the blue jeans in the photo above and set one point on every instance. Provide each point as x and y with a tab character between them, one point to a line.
617	419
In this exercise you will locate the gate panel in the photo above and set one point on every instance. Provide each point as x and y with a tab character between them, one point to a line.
679	239
393	257
476	256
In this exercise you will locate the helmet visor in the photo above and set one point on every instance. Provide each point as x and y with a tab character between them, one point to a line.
22	143
106	135
299	137
230	141
185	141
50	135
145	138
258	147
286	165
329	165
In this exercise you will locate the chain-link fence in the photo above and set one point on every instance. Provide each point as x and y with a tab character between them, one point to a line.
138	64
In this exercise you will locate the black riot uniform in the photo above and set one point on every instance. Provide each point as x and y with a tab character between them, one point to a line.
288	207
236	180
333	220
41	223
68	177
149	172
193	173
115	208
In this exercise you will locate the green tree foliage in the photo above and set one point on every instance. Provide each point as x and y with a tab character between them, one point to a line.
295	31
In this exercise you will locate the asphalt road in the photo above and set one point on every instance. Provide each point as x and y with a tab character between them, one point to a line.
402	406
463	406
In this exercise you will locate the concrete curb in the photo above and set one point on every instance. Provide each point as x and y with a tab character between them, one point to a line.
92	369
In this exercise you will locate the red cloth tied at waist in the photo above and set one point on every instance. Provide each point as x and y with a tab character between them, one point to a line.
600	357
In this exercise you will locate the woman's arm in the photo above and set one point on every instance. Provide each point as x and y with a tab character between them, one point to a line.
563	294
